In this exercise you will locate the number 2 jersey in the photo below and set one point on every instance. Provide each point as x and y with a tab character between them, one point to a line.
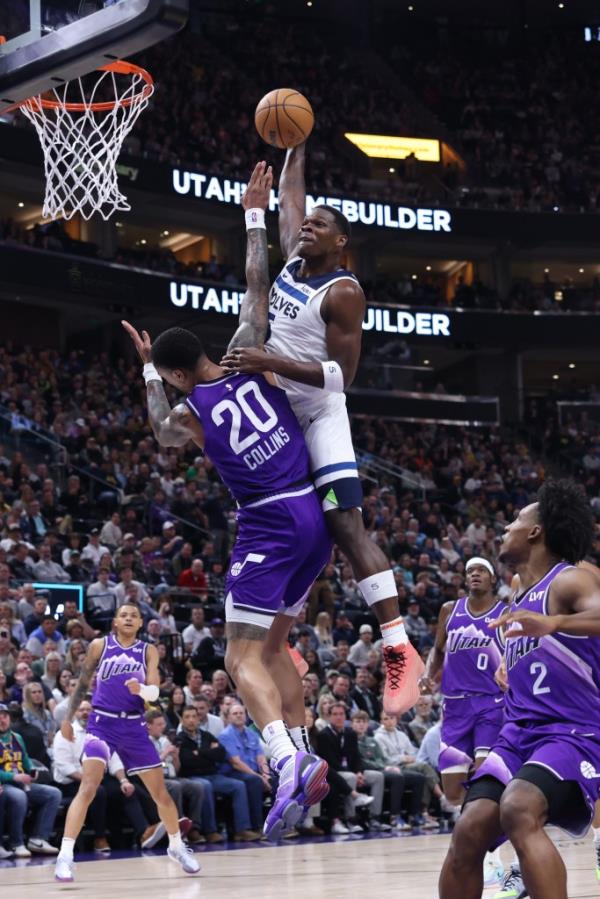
555	678
251	435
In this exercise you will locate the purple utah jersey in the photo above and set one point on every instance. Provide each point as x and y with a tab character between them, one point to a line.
117	665
251	435
552	710
552	678
473	651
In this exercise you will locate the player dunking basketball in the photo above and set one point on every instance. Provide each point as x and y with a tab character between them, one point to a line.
253	438
126	672
316	314
545	765
467	653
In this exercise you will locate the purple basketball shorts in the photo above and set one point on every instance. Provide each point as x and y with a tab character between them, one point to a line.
569	752
470	727
126	736
281	548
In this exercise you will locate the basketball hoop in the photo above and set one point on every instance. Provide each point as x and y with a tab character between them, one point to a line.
81	131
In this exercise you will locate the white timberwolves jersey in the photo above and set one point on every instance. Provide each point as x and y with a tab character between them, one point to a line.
298	330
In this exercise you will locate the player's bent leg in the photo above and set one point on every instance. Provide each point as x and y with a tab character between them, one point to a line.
371	569
93	767
154	781
524	810
477	829
453	779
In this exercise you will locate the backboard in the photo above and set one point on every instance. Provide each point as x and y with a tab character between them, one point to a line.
44	43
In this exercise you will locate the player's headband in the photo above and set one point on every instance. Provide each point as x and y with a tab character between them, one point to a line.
477	560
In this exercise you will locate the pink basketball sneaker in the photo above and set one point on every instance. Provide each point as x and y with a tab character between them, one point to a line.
403	668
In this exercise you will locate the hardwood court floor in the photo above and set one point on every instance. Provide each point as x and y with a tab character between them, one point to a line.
378	868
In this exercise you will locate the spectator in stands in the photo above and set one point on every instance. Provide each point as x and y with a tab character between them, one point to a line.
363	697
62	705
21	564
48	571
111	533
372	759
415	625
338	745
171	542
52	669
201	755
424	719
93	549
35	619
399	752
36	713
246	761
8	650
343	629
195	632
429	750
72	613
214	724
126	582
102	600
193	687
174	708
46	631
210	655
16	775
187	794
182	560
194	579
359	651
77	572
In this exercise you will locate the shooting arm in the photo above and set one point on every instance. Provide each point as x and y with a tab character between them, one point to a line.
292	200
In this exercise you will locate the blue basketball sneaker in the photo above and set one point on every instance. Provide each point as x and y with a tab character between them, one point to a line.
302	783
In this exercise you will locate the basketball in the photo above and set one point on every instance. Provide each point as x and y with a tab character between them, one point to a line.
284	118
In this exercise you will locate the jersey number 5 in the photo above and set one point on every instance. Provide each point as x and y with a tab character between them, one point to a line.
241	407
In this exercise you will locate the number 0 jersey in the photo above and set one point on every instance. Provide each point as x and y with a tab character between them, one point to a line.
553	678
251	435
473	651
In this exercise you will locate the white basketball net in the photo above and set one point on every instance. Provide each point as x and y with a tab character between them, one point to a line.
81	147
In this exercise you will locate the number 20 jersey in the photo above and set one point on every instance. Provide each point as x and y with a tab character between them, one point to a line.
251	435
555	678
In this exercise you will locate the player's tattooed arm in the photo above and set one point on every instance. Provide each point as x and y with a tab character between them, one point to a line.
171	427
254	313
292	200
82	689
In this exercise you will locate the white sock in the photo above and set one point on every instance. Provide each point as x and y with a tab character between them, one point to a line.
299	736
393	632
278	740
596	832
66	848
175	841
494	857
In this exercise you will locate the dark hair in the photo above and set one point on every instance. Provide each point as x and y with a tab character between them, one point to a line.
48	618
189	708
177	348
153	714
341	221
567	519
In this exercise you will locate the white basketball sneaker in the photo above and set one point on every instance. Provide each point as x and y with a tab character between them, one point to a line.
63	871
185	857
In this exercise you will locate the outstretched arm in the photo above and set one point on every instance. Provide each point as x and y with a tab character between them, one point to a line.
435	660
292	199
171	427
254	314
